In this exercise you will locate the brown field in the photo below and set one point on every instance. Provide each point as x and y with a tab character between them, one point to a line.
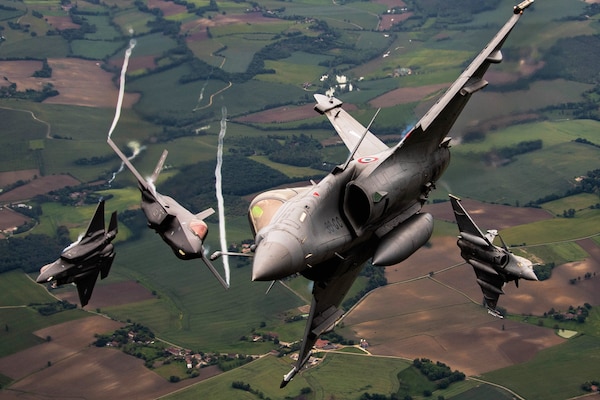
10	218
196	30
68	339
71	77
61	23
108	295
9	177
41	185
388	20
135	63
168	8
406	95
440	317
79	370
285	114
21	73
489	216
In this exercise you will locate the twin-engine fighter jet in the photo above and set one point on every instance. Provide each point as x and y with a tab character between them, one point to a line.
494	266
368	207
82	261
183	231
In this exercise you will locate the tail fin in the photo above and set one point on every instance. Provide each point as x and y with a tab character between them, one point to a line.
113	225
159	166
205	214
466	226
97	222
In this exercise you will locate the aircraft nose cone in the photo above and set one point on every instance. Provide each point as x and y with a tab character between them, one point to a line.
46	272
529	274
276	257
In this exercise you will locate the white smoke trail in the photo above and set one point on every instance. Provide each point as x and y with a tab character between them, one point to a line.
201	96
136	148
219	192
132	43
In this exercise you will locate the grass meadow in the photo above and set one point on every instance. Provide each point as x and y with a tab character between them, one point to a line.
18	129
192	309
95	50
324	380
567	366
19	321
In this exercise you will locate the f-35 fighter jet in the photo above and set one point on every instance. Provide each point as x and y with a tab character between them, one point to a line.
494	266
82	261
183	231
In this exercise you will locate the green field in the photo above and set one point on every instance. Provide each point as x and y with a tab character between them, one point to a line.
19	320
567	366
323	380
191	309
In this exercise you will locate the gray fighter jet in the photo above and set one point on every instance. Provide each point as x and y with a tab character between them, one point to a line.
494	266
183	231
82	261
368	207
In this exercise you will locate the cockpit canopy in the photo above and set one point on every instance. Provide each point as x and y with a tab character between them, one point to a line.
265	205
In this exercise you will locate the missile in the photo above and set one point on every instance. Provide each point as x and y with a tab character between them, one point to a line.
522	6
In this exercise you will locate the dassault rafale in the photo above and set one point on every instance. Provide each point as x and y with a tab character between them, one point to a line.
82	261
494	266
366	208
182	230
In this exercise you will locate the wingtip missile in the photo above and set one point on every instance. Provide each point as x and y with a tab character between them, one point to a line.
287	378
519	8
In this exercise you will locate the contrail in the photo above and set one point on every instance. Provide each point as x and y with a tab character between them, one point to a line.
201	96
132	43
136	149
219	192
133	145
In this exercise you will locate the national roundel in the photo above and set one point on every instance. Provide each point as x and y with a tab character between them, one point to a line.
366	160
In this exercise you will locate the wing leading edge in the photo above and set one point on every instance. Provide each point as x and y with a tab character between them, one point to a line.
325	310
433	127
350	130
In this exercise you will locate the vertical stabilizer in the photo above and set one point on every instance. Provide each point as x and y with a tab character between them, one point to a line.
465	222
97	222
113	225
159	166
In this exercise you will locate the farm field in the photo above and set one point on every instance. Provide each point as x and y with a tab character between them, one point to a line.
256	66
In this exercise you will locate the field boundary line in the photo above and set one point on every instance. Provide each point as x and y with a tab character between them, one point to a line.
497	385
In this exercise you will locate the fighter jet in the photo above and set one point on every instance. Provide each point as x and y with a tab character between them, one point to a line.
183	231
368	207
494	266
83	260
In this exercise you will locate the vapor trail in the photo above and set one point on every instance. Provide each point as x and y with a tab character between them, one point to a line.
201	96
132	43
136	149
219	192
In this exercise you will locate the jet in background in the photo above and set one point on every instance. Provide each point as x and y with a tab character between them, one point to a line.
82	261
494	266
368	207
183	231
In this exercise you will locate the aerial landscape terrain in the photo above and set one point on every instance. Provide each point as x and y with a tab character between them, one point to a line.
525	161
